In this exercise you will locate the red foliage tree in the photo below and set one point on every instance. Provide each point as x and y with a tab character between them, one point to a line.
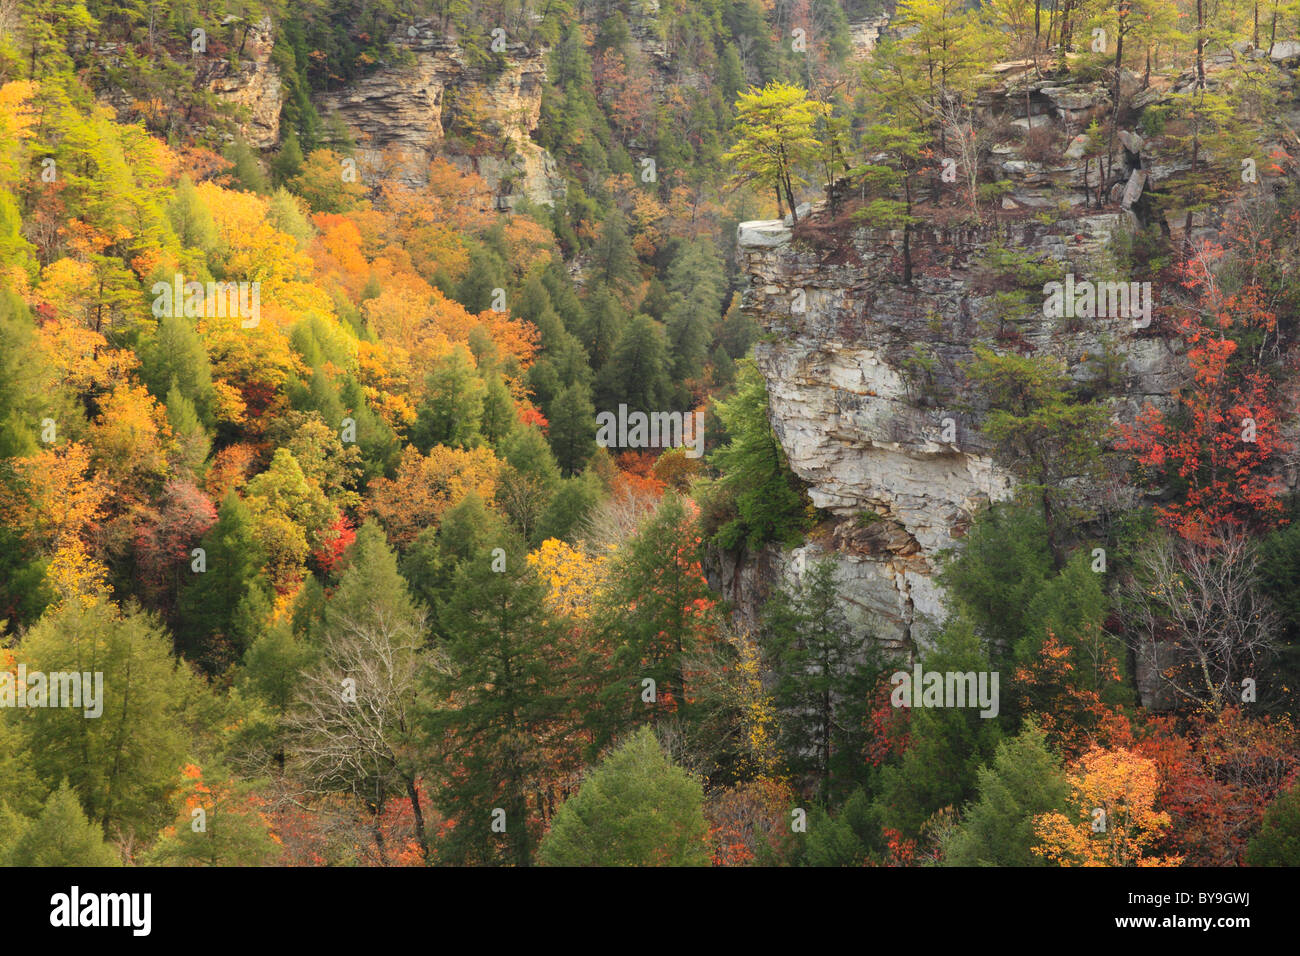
165	536
1219	448
335	541
1218	778
1073	716
888	725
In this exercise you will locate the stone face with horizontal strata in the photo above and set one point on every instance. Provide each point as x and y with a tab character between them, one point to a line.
865	430
762	233
1285	50
402	109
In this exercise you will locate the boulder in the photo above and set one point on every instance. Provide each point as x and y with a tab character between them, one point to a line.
762	233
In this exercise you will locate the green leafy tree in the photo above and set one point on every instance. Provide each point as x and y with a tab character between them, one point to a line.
637	808
217	610
1043	432
1024	780
946	745
998	572
573	501
60	836
353	723
497	700
696	286
452	409
762	498
291	518
776	138
572	431
174	356
498	418
613	262
122	764
824	669
656	613
851	837
430	564
29	390
194	443
638	371
219	824
899	154
1278	841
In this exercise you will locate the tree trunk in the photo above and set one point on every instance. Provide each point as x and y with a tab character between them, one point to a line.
1114	116
1049	520
421	837
1200	44
907	233
826	734
378	832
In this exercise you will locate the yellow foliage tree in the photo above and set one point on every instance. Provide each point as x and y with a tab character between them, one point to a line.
81	358
75	575
53	498
131	437
1114	821
17	115
572	577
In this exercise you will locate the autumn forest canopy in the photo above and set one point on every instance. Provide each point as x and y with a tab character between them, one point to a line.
311	312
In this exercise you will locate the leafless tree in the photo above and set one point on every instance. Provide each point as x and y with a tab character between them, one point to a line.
1196	607
616	519
965	139
352	725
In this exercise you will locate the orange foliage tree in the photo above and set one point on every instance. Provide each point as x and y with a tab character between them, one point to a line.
426	486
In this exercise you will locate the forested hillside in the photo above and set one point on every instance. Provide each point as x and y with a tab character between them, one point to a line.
562	433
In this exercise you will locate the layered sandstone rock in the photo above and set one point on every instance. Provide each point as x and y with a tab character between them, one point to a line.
252	86
867	392
414	107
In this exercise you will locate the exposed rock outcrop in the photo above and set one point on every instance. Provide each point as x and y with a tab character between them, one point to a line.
245	80
865	34
435	101
867	393
251	84
876	438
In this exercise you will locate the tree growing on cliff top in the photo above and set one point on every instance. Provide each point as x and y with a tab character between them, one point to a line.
775	138
897	156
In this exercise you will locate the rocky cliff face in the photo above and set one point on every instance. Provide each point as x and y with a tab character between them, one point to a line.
882	444
431	101
437	103
864	372
252	85
245	80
